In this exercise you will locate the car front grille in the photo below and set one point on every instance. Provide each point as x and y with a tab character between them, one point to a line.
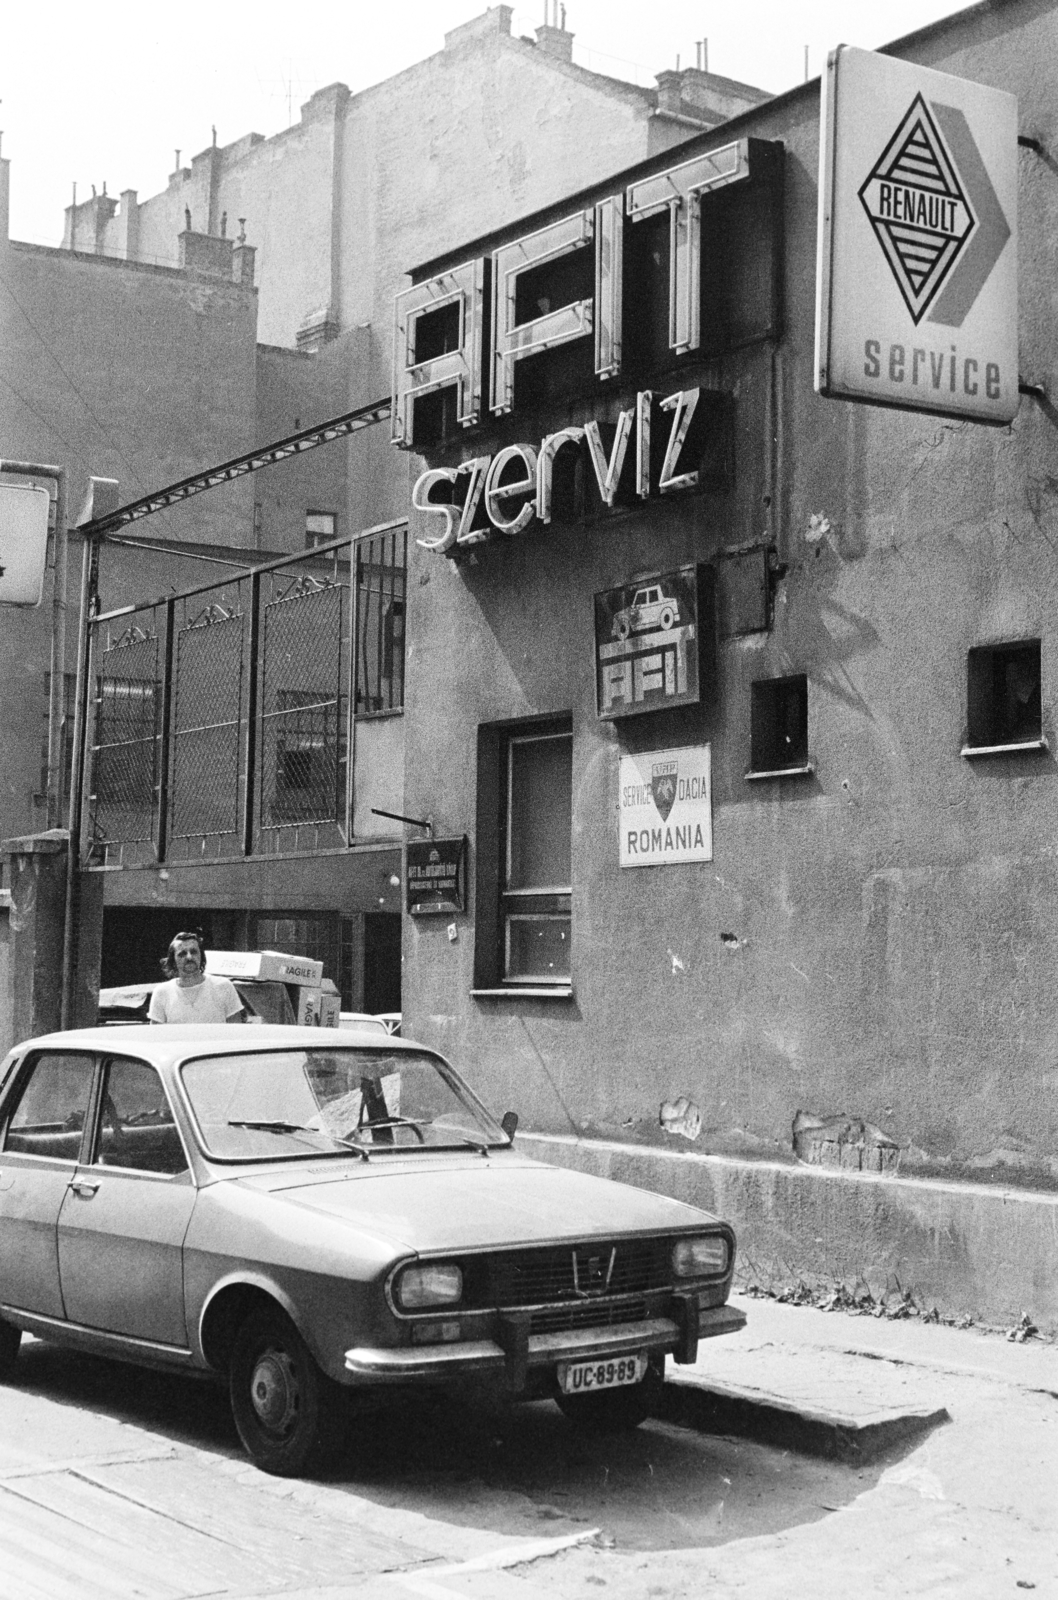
575	1276
588	1314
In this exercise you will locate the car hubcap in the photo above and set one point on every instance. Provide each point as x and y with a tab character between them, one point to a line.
274	1391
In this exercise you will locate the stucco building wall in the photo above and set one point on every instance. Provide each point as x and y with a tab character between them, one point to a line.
875	941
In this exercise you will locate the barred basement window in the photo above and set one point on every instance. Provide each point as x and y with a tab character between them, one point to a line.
779	728
1003	700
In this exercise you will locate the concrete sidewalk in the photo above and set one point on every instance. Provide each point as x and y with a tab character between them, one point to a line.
837	1384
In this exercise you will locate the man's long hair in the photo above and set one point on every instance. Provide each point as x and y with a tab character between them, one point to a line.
169	966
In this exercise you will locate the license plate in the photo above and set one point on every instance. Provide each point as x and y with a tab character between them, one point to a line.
584	1377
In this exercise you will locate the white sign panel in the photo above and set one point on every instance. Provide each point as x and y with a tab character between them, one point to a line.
666	809
23	543
916	280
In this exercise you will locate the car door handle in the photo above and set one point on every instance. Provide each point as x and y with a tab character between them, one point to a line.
82	1186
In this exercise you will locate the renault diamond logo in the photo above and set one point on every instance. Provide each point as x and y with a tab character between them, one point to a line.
918	208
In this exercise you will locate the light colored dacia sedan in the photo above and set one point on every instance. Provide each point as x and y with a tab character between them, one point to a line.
308	1214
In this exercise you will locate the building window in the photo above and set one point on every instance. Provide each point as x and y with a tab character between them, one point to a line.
310	773
779	727
381	566
320	527
126	734
1003	697
525	797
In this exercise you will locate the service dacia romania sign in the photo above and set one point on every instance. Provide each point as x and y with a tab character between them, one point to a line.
23	543
666	807
916	282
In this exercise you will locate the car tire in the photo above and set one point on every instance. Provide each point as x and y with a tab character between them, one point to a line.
10	1339
622	628
290	1416
666	618
615	1410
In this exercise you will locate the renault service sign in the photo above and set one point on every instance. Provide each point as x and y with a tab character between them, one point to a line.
23	543
916	281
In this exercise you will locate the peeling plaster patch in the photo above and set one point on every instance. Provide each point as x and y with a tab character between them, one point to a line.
841	1141
731	941
677	964
681	1117
1002	1156
818	527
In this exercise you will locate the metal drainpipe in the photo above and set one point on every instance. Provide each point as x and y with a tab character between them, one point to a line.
32	469
89	578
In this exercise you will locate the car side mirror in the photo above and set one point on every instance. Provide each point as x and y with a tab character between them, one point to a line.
509	1124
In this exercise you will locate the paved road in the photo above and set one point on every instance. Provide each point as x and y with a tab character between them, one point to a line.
115	1483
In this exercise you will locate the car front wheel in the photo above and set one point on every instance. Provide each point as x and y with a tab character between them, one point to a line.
10	1339
616	1410
290	1415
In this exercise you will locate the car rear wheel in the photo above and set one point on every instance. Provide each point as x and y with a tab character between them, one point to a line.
666	618
289	1414
10	1339
615	1410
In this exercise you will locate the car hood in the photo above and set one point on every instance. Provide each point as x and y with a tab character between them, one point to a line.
478	1204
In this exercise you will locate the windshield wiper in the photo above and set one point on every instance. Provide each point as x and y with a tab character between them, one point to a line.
298	1127
418	1123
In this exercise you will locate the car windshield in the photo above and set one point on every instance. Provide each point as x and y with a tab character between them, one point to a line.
269	1103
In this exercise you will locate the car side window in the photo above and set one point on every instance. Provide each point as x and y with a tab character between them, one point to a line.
136	1127
49	1113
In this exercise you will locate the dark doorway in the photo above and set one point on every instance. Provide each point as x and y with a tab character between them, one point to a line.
135	938
382	961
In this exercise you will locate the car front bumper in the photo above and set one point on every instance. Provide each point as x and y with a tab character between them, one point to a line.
523	1350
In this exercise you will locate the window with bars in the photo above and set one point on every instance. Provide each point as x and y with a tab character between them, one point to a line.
381	568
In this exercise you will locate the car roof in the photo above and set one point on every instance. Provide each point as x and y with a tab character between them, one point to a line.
173	1041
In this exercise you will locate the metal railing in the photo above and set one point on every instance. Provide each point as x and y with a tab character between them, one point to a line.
222	718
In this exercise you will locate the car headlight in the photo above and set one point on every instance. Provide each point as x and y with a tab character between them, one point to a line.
439	1283
700	1258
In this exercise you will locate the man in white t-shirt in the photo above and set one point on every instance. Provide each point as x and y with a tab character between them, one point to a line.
191	995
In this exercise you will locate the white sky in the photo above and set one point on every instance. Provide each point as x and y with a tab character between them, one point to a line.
107	90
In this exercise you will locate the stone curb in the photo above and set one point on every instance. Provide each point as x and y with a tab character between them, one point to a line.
717	1406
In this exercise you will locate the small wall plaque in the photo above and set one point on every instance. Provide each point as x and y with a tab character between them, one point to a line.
435	876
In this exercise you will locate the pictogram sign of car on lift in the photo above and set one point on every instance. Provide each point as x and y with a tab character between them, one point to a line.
650	608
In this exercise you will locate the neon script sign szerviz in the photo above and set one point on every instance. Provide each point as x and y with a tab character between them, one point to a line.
513	488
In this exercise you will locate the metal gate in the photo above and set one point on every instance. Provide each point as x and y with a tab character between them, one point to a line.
221	717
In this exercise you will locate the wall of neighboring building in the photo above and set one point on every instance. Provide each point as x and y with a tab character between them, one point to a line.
872	943
295	390
341	204
113	370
